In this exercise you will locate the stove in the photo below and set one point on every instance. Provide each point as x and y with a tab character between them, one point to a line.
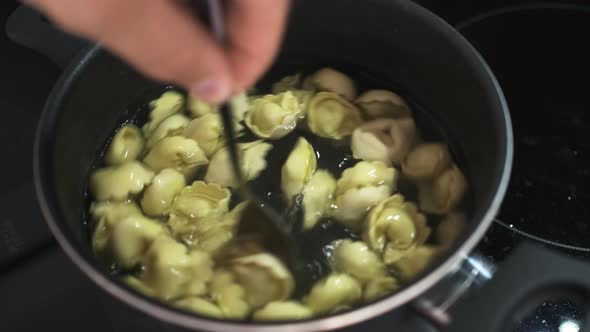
539	53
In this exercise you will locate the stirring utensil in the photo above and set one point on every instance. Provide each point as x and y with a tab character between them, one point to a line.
261	220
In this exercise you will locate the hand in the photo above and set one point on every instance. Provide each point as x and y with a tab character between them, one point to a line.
166	42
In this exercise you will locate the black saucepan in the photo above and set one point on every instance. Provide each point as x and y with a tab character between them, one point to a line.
396	39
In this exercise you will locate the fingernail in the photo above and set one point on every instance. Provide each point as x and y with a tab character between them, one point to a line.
210	90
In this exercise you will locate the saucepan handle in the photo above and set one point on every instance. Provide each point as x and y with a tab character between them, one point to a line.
529	276
27	27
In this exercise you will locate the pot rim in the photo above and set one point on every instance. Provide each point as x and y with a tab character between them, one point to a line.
368	311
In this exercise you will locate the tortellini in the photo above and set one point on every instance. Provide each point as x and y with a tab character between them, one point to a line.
318	197
394	228
131	237
229	295
282	310
386	140
415	261
287	83
298	169
330	80
360	188
383	103
264	278
119	182
201	200
444	193
176	152
157	197
170	270
170	126
357	260
331	116
126	145
449	229
169	103
253	162
426	161
106	215
379	287
240	104
274	116
197	107
207	130
200	306
336	291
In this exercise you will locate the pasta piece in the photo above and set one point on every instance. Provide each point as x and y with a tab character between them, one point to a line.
383	103
170	102
106	215
304	97
118	182
126	145
360	188
172	271
199	306
170	126
357	260
426	161
282	310
206	130
253	162
197	107
385	140
229	295
330	80
157	198
444	193
378	287
287	83
394	228
331	116
131	237
138	285
335	290
202	200
415	262
264	278
449	229
240	104
298	169
274	116
318	197
176	152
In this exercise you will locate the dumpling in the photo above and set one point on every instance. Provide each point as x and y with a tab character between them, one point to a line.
207	130
378	287
415	261
170	126
106	215
386	140
240	104
426	161
264	278
449	229
318	197
182	154
197	107
287	83
172	271
333	292
304	97
253	162
444	193
131	237
126	145
331	116
360	188
229	295
394	228
274	116
170	102
201	200
330	80
282	310
118	182
157	198
200	306
383	103
357	260
298	169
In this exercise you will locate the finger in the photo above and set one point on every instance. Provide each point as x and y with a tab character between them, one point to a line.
155	36
255	28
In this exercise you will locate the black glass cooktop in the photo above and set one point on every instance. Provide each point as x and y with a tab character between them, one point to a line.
541	57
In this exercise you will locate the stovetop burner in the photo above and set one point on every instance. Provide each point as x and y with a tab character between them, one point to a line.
541	59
